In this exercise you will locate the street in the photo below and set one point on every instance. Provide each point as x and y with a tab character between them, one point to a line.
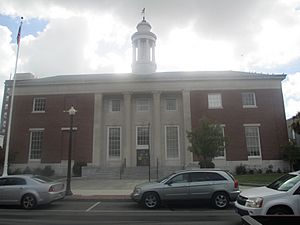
113	212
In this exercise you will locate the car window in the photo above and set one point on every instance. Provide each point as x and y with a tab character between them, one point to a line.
15	181
198	177
3	181
215	177
181	178
42	179
206	176
285	182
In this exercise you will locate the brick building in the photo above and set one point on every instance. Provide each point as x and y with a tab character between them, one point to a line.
121	115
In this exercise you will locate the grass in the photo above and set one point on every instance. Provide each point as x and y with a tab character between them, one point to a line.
258	179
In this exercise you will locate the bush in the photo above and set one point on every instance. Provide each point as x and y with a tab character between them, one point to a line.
27	170
279	170
259	171
251	171
16	171
270	169
47	171
241	169
77	168
37	171
206	164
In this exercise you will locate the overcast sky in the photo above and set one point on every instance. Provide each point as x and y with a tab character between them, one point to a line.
93	36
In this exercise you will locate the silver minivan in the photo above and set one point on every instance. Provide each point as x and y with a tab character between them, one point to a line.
216	185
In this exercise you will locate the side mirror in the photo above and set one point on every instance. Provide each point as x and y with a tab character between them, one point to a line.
169	183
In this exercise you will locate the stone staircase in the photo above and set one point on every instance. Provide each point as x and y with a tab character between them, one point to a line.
101	173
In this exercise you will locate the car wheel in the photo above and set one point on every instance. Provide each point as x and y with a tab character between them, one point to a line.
220	200
28	201
280	211
151	200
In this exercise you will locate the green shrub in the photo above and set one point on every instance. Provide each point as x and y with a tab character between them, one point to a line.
206	164
240	170
48	171
27	170
16	171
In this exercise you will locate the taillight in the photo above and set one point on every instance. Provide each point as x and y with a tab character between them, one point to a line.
236	184
51	189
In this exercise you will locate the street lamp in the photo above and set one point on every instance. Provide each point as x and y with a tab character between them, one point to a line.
72	113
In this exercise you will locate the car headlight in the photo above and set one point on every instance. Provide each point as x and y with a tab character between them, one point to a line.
137	191
254	202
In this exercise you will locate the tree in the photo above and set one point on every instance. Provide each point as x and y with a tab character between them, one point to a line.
292	154
296	123
206	141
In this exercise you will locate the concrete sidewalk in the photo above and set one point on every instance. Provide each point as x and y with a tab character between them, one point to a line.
106	189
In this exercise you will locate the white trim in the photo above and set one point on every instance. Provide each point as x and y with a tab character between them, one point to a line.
107	144
215	107
33	105
259	144
30	142
178	142
68	128
251	124
254	100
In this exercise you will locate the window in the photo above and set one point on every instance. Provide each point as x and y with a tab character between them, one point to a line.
205	176
222	147
214	101
172	141
12	181
114	142
142	105
181	178
142	137
252	140
36	144
248	99
171	104
39	104
115	105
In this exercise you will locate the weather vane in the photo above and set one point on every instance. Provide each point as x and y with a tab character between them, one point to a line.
143	13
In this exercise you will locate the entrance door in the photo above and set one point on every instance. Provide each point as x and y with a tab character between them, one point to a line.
142	157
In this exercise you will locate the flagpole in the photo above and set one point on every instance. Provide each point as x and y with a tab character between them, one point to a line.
5	166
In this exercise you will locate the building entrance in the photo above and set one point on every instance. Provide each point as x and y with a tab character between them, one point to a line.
142	156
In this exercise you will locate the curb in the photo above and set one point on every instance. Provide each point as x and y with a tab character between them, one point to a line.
98	197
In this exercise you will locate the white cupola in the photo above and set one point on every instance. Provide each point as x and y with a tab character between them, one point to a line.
143	49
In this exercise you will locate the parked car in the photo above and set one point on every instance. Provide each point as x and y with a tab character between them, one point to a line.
216	185
29	190
280	197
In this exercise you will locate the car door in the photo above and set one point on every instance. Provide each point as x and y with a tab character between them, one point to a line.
200	186
176	188
2	189
12	190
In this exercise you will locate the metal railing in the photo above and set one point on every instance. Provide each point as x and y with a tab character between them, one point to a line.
122	167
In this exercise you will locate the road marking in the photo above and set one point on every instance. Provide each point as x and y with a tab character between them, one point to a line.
93	206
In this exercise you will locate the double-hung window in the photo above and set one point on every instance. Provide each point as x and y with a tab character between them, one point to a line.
171	104
215	101
36	143
172	141
252	140
248	100
114	142
115	105
142	104
39	104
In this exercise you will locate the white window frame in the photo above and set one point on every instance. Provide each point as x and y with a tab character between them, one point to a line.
171	100
211	100
257	126
112	158
178	142
111	105
143	104
136	137
224	143
35	102
254	100
31	130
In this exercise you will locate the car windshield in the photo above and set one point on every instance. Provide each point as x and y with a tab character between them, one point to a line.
42	179
285	182
165	178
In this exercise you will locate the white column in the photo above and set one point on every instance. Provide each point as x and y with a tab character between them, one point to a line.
98	136
153	52
133	53
127	123
139	50
147	50
187	125
156	127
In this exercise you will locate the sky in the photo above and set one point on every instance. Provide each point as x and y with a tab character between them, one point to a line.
94	37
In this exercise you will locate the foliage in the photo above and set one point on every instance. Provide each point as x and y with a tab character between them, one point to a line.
206	141
292	154
296	123
258	179
206	164
77	168
241	169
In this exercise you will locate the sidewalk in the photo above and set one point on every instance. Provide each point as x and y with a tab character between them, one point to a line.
106	189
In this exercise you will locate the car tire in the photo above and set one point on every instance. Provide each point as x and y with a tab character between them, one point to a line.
28	201
151	200
220	200
280	211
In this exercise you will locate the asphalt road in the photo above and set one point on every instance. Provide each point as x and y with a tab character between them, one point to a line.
117	213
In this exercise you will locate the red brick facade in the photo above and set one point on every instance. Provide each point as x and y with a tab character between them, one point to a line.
269	114
53	121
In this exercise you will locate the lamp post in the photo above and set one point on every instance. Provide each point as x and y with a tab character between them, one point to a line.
149	159
72	111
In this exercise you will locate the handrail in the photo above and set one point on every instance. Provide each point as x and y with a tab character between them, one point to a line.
122	168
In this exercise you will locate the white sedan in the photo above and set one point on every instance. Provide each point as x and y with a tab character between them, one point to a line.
29	190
